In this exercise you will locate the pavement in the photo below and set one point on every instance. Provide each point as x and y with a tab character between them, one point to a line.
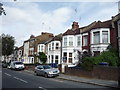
106	83
99	82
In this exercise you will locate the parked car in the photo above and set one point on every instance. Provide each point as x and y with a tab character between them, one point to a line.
46	70
53	65
16	65
4	64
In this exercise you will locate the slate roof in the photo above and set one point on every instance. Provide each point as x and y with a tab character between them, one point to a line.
93	25
56	38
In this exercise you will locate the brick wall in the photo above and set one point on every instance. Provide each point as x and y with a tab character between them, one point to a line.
113	38
29	67
99	72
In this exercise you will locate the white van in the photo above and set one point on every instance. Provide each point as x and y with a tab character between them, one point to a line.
17	65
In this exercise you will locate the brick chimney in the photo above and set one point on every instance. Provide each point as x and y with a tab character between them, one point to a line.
75	25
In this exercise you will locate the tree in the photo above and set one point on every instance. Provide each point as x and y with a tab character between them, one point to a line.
42	57
7	44
2	11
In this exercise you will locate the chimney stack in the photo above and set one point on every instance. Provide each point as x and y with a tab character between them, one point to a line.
75	25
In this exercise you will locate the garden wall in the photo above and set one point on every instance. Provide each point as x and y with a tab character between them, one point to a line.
99	72
30	67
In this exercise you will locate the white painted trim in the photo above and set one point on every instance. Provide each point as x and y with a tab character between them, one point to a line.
100	30
84	34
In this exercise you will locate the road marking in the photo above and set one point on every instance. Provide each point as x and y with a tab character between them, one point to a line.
20	79
7	74
42	88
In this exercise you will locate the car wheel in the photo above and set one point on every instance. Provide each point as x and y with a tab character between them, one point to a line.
46	75
36	74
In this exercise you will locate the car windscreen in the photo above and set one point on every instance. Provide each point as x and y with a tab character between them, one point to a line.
18	63
47	67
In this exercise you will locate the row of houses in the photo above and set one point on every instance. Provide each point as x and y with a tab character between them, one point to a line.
67	46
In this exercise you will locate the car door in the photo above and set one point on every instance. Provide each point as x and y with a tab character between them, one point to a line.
39	70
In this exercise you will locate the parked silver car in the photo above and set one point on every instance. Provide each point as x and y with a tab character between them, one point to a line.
46	70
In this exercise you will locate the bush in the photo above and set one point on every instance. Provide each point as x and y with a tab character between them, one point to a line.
106	56
109	57
88	63
42	57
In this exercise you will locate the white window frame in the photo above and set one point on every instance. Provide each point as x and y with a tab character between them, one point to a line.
85	43
70	41
78	40
65	41
104	38
95	37
70	57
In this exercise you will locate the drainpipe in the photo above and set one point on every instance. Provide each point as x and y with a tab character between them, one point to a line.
61	52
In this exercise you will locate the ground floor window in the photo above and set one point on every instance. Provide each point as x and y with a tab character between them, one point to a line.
56	59
32	60
65	57
52	58
70	57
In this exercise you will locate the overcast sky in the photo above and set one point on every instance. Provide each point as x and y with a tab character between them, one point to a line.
26	18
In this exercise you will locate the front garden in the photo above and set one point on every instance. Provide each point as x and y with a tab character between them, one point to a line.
106	58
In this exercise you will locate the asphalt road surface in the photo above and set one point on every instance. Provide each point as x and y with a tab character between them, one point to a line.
22	79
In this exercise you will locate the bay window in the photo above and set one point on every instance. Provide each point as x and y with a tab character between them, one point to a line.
57	45
78	41
65	57
41	48
70	41
96	38
49	47
52	46
56	59
104	36
65	41
70	57
85	40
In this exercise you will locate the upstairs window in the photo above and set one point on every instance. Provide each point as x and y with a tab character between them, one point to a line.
105	37
78	41
57	45
20	52
85	40
49	47
52	46
70	41
65	41
96	38
42	48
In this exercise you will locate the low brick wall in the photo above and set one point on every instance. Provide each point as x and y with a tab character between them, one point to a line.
99	72
29	67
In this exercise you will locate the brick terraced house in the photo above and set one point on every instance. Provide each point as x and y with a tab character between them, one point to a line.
53	49
94	39
31	47
67	48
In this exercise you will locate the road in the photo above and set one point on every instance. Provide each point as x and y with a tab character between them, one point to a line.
22	79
